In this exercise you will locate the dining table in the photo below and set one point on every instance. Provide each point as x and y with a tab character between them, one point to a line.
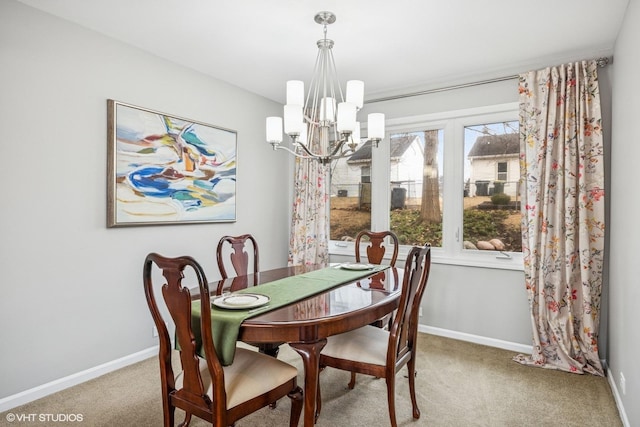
306	323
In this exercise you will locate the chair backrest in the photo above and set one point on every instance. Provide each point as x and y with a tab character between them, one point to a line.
239	257
403	330
177	300
376	249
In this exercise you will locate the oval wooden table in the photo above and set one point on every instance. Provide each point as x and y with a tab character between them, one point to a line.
306	324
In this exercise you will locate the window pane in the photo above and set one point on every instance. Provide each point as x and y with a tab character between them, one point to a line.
502	171
491	200
351	194
416	187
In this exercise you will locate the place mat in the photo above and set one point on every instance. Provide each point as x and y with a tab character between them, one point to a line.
225	323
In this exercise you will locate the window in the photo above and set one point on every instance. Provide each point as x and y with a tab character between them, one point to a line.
502	171
491	219
415	161
430	185
365	174
350	203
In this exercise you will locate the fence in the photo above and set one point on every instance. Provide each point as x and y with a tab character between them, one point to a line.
405	193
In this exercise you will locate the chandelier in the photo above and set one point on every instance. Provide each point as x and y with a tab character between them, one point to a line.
324	126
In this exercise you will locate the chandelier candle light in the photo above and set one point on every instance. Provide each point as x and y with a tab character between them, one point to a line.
318	130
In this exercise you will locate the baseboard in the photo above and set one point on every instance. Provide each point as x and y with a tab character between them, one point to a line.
462	336
43	390
618	400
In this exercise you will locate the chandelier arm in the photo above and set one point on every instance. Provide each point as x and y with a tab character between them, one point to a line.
308	151
333	155
342	155
309	155
296	154
339	146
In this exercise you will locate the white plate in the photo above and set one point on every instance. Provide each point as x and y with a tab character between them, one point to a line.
356	266
241	301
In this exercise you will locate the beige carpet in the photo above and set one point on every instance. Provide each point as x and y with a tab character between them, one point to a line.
458	384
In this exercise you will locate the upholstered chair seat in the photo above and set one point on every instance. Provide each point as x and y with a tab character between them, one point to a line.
250	375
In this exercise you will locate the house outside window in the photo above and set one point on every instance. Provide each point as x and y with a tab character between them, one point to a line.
350	198
491	218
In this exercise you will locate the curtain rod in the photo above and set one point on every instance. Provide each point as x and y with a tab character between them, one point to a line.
602	62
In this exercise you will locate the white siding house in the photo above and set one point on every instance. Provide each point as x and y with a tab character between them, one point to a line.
407	159
494	164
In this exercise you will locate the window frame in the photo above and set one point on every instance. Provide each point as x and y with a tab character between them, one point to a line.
505	173
452	123
363	175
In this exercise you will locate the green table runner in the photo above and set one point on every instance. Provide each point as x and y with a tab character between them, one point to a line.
225	324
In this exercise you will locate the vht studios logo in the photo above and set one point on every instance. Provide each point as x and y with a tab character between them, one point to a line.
44	418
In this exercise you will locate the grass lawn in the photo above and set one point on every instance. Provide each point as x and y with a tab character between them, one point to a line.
348	218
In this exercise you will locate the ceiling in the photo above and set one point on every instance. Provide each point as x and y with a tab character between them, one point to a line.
394	46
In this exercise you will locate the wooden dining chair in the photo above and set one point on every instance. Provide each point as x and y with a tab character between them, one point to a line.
239	256
204	388
237	248
375	255
379	352
376	249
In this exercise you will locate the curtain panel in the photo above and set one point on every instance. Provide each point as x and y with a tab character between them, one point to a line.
309	239
563	227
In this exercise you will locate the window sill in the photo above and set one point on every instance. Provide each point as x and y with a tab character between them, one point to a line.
485	259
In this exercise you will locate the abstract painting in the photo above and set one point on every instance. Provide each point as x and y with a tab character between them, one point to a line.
163	169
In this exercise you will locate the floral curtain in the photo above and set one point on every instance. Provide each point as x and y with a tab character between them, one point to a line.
309	240
562	190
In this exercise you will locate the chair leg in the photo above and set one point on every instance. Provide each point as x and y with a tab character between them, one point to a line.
391	399
318	403
296	406
411	367
168	411
187	420
352	383
318	396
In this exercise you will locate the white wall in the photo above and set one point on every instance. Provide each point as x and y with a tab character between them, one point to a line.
483	305
624	226
71	291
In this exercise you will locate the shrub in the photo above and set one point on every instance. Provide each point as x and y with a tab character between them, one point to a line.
500	199
412	230
482	225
